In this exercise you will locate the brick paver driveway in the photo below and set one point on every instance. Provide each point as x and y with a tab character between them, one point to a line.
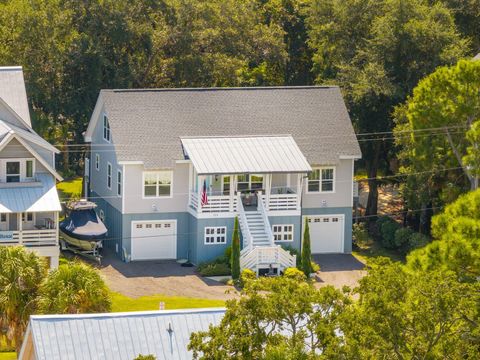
165	277
339	270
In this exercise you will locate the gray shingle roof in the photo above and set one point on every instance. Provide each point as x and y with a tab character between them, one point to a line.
119	336
147	124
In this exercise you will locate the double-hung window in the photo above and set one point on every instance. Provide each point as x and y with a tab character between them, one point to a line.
106	128
251	182
29	169
321	180
282	232
109	175
119	183
215	235
97	162
13	171
157	184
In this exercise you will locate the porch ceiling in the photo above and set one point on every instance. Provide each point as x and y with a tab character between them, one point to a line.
253	154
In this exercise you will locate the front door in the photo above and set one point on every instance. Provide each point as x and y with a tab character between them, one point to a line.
4	224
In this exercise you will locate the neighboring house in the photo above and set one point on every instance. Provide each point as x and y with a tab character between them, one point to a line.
116	336
272	156
29	204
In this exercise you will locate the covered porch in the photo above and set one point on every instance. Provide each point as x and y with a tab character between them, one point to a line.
29	228
268	169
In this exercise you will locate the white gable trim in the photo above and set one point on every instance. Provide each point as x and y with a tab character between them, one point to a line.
31	136
94	118
34	153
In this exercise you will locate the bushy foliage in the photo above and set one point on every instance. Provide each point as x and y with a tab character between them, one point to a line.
72	289
387	228
145	357
402	238
294	273
214	269
294	251
360	235
246	276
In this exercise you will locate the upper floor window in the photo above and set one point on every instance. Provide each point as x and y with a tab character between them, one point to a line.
106	128
119	183
157	184
97	162
249	182
109	175
13	171
321	180
29	169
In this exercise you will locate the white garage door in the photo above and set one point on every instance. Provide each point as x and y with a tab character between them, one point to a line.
153	240
326	233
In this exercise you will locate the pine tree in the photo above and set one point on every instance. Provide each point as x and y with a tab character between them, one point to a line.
235	260
306	251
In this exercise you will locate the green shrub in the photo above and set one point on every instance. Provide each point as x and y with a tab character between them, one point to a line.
315	266
360	235
417	241
402	238
294	251
235	258
145	357
306	251
227	255
214	269
387	227
246	276
294	273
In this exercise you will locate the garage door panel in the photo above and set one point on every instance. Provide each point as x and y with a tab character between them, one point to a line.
154	240
326	233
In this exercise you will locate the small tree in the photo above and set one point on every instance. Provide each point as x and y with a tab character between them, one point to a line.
21	273
74	288
235	259
306	251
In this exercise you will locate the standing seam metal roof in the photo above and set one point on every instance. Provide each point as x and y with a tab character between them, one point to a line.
147	124
12	91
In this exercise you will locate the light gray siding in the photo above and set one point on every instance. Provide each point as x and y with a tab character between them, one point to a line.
342	197
135	202
15	150
98	178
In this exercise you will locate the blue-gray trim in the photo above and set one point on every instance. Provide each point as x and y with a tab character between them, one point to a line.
346	211
297	229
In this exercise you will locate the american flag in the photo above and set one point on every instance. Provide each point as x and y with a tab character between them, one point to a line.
204	193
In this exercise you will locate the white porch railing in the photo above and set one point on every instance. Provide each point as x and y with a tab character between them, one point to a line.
281	202
216	204
29	237
264	256
242	219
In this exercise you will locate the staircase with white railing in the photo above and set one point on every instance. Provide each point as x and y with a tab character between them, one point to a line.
259	249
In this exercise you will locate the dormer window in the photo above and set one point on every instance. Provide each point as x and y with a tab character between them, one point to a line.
29	169
106	128
13	171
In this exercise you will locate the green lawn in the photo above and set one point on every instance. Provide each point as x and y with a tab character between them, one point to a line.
373	250
69	189
121	303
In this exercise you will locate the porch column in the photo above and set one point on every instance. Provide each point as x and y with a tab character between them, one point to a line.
20	228
268	190
299	189
201	179
231	194
56	227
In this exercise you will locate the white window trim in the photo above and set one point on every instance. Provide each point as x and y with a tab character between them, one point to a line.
214	235
97	162
109	175
157	197
23	169
25	218
283	232
33	169
105	117
320	181
249	181
119	183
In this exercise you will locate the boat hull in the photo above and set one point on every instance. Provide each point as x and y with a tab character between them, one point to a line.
87	245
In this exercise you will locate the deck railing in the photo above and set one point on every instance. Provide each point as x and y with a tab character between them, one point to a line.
281	202
216	203
29	237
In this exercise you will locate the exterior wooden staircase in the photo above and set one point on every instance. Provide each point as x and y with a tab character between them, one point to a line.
260	253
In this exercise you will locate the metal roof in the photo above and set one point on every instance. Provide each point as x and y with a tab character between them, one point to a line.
147	124
30	197
238	155
119	336
12	91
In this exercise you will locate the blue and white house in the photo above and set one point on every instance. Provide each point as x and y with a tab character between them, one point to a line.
29	204
271	156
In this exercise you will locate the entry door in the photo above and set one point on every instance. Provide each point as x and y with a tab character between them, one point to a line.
4	222
326	233
154	240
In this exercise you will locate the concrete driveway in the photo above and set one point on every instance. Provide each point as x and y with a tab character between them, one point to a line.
339	270
165	277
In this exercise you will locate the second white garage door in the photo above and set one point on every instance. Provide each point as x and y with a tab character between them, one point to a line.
154	240
326	233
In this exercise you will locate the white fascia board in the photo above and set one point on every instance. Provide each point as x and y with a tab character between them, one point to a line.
3	102
94	118
350	157
130	162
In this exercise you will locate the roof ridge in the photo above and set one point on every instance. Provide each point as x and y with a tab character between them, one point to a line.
246	88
